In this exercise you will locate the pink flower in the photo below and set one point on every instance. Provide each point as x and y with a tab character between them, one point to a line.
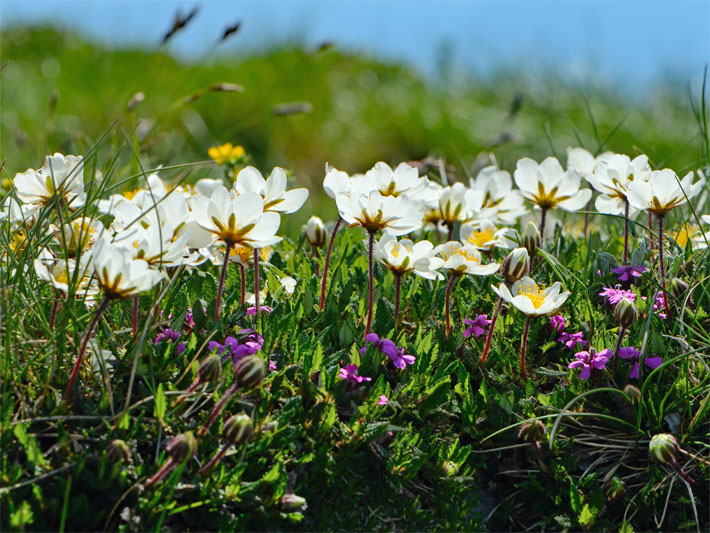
628	272
272	365
478	326
586	361
631	354
557	322
389	348
349	374
614	296
263	308
383	400
571	339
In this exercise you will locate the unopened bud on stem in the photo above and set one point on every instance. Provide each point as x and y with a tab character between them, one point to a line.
626	313
663	448
315	232
531	238
515	265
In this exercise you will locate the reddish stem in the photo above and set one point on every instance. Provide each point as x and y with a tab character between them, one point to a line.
524	347
134	318
650	231
450	234
231	391
327	263
542	226
243	274
227	251
397	290
626	231
53	314
492	325
163	471
256	281
449	286
586	215
663	268
371	299
75	371
192	388
215	459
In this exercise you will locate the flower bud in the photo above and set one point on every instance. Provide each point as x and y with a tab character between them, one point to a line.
515	265
315	232
531	238
633	393
118	452
237	429
663	448
210	369
292	502
182	447
532	431
626	312
616	488
249	372
450	468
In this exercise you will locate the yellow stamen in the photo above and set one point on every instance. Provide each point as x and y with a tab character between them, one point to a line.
482	238
533	292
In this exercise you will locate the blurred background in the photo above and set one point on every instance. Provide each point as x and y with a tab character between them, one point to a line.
299	84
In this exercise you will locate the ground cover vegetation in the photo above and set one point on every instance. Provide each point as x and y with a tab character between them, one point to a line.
505	326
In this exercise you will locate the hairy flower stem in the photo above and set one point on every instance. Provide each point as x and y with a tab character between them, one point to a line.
134	317
327	263
626	231
542	226
660	257
650	231
256	284
450	234
75	371
53	314
449	286
231	391
192	388
215	459
492	325
227	251
524	346
243	275
371	298
164	470
622	332
586	215
397	291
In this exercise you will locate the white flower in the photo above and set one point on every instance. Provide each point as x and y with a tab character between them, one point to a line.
613	177
584	162
661	191
369	209
273	190
464	259
454	204
495	197
405	256
60	175
78	235
402	180
241	255
289	284
548	186
529	299
118	273
11	210
60	273
237	219
158	246
336	182
484	235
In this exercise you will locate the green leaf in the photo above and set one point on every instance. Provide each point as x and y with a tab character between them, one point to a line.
575	501
626	527
22	516
160	403
29	443
587	516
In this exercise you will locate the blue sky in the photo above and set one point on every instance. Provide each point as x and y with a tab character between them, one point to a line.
624	43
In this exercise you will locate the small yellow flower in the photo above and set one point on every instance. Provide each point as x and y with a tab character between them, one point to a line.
226	153
686	233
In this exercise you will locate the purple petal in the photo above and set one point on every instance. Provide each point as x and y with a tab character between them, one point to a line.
575	364
372	337
586	371
628	352
634	374
653	362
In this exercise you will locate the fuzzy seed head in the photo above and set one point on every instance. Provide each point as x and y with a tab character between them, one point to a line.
663	448
249	372
210	369
182	447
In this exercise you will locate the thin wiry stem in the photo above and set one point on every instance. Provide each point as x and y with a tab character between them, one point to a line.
327	263
215	459
243	275
256	282
134	317
660	257
622	332
53	315
227	251
490	329
542	226
626	231
524	346
650	231
397	290
449	286
371	296
75	371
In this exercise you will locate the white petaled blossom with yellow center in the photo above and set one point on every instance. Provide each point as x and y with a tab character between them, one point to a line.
484	235
464	259
236	219
240	255
406	256
60	175
613	178
119	274
494	197
402	180
61	273
78	235
584	162
662	191
369	209
531	300
548	186
272	190
455	204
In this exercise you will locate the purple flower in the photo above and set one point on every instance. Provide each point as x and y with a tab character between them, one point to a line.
349	374
232	348
389	348
272	365
383	400
478	326
571	339
615	295
631	354
627	272
586	361
168	335
263	308
557	322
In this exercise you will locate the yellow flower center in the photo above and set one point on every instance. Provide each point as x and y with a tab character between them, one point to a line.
18	242
129	195
469	255
533	292
480	238
62	276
